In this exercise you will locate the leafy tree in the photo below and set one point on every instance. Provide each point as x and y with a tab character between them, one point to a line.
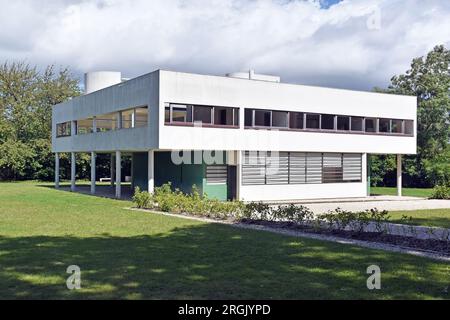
429	80
26	100
15	155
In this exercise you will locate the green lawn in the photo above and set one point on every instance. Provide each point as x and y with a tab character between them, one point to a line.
411	192
131	254
433	218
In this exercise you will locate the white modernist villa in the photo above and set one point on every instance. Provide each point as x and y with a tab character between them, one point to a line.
241	136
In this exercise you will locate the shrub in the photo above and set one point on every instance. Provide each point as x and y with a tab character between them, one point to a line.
142	199
357	221
168	200
441	192
379	218
292	213
257	211
175	201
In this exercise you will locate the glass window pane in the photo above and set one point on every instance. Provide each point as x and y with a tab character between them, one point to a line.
384	125
236	117
312	121
63	129
223	116
343	123
296	120
202	114
141	117
328	121
107	122
357	124
127	119
84	126
248	117
396	126
262	118
167	114
181	113
409	127
279	119
371	125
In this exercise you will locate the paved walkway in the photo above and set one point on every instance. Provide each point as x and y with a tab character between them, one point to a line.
390	203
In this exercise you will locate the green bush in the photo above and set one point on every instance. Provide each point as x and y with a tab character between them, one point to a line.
441	192
257	211
168	200
142	199
292	213
357	221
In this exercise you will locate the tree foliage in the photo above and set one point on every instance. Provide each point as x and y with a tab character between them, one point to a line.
429	79
26	100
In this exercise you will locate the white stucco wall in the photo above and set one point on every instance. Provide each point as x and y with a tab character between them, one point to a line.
222	91
136	92
307	191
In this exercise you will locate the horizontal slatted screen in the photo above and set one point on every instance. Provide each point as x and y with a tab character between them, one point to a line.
277	168
297	168
352	167
254	168
332	167
313	168
261	168
216	174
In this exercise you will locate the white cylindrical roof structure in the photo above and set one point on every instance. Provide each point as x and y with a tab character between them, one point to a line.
97	80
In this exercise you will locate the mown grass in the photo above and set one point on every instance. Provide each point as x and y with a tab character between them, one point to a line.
134	255
410	192
431	218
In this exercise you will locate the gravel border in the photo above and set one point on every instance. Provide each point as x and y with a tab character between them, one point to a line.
295	233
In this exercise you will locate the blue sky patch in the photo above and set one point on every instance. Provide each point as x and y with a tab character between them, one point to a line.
325	4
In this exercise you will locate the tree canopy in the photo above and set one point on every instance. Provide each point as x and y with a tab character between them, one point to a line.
26	100
429	79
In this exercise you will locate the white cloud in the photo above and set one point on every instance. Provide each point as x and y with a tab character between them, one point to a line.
295	39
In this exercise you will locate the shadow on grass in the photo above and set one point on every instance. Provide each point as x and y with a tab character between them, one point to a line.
208	262
103	191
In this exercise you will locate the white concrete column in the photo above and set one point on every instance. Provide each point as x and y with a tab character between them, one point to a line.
94	124
56	170
399	175
93	178
72	171
111	170
118	174
151	171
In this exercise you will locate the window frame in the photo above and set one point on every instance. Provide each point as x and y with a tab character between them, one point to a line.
169	106
67	126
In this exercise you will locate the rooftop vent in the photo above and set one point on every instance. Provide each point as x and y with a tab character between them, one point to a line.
94	81
251	75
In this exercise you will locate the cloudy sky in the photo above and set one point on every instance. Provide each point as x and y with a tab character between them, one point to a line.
356	44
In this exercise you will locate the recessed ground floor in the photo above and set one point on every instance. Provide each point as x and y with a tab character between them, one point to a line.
244	175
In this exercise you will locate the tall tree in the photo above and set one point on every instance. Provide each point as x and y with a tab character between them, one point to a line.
429	80
26	100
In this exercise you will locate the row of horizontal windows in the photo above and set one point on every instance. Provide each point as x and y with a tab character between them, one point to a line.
188	114
261	167
129	118
209	115
259	118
